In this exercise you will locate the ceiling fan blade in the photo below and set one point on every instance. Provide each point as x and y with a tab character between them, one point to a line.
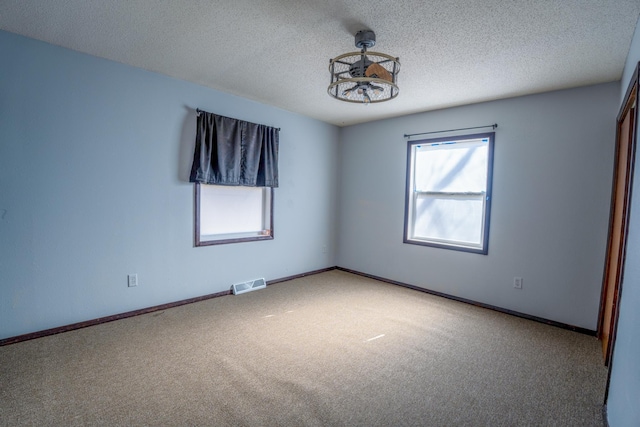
378	71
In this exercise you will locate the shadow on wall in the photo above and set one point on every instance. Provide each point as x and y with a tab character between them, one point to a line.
187	144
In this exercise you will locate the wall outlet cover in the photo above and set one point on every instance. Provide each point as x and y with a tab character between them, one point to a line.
132	280
517	282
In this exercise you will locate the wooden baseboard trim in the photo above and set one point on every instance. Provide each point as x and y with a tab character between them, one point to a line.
99	320
298	276
478	304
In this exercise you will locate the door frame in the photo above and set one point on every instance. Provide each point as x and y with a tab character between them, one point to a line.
634	86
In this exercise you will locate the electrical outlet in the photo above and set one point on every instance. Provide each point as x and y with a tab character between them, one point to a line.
517	282
132	280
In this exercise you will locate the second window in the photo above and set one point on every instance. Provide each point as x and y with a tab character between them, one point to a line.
448	193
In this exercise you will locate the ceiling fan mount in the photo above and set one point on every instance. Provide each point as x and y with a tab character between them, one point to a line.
365	39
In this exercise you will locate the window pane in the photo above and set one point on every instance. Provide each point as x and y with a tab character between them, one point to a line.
450	219
229	210
452	166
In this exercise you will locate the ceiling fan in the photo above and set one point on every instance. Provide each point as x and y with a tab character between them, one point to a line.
364	77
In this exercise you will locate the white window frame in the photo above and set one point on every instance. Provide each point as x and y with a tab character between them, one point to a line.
243	232
413	196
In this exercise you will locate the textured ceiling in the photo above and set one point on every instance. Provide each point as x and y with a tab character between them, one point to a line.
277	51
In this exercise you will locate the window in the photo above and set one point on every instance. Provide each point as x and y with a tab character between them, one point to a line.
448	193
230	214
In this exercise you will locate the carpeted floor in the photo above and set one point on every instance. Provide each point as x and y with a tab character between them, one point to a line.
331	349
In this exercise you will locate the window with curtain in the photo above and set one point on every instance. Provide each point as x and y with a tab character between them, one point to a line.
448	193
235	169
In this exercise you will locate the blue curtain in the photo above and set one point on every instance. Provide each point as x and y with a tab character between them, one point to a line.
234	152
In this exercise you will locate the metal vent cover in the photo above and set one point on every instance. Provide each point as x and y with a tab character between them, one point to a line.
251	285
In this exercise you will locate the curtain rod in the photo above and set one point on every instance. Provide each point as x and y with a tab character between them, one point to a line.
409	135
198	111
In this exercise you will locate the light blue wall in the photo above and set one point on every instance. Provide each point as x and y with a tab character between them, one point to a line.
623	404
94	162
549	216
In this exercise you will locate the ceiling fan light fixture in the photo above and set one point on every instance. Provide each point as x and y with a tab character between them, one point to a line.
364	77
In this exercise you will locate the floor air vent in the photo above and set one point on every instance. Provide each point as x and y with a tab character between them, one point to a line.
251	285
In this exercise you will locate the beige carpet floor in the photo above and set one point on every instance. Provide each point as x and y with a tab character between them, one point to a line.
332	349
